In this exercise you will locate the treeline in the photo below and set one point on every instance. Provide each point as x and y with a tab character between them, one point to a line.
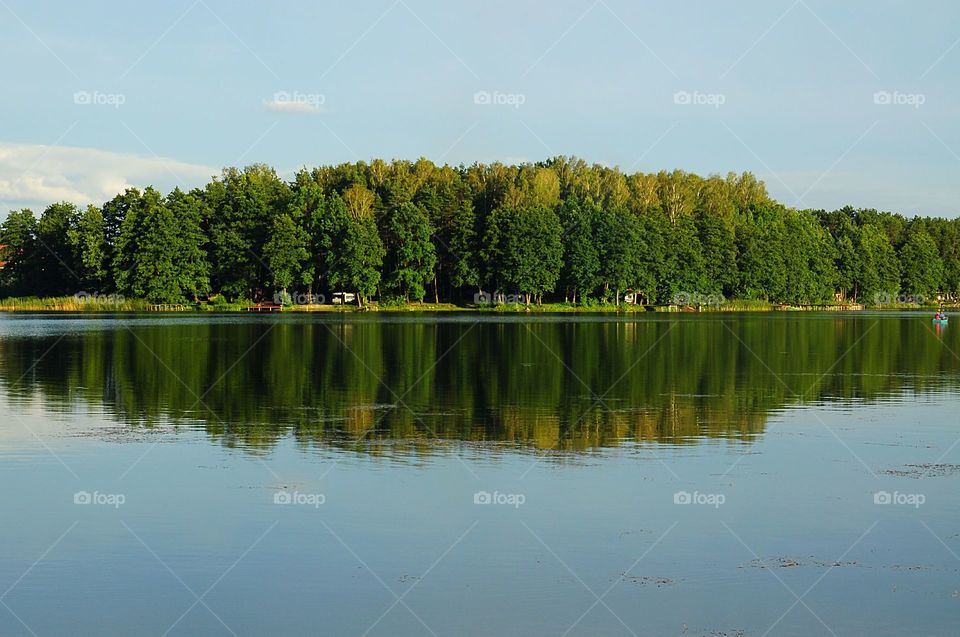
559	229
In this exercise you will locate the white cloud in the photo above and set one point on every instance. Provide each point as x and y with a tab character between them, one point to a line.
35	175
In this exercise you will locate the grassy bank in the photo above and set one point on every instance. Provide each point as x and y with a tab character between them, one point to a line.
73	304
116	304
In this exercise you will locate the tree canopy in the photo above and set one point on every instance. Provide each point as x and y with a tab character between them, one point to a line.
559	229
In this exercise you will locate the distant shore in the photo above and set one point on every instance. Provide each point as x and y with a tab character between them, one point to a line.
136	306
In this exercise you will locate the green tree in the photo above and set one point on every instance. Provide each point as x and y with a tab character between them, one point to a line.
113	213
920	264
880	270
191	212
581	256
681	265
57	271
523	250
18	252
618	235
244	205
88	241
718	240
147	252
309	208
360	256
410	254
461	241
286	253
761	262
808	257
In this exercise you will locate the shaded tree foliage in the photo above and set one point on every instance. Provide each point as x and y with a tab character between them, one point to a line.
561	229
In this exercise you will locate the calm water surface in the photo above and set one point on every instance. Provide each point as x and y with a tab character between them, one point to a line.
765	474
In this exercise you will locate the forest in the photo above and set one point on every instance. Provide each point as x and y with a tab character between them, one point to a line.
560	230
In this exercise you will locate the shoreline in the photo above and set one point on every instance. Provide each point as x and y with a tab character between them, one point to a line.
65	306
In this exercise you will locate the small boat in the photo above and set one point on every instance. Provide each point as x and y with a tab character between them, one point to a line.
941	321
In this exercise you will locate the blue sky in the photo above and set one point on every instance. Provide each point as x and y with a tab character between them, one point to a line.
830	103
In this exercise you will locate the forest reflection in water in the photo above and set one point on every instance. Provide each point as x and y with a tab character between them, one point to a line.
379	383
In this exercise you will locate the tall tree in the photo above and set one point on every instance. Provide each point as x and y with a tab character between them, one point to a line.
190	213
18	252
87	239
581	255
879	273
920	264
244	204
147	251
523	250
57	269
286	253
360	256
618	235
410	255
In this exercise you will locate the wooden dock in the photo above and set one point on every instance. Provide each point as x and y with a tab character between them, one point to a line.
841	307
264	307
170	307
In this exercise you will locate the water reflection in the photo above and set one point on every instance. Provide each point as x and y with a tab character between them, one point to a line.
541	383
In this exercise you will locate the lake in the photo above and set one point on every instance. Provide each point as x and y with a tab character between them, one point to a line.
480	474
